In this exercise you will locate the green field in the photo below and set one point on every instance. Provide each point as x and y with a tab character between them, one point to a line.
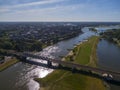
8	64
85	54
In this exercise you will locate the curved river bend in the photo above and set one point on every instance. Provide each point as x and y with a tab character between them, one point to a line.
20	76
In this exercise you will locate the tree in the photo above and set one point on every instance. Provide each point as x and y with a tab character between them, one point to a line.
71	58
37	46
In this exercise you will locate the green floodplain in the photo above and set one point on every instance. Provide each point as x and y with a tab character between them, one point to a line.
8	64
83	53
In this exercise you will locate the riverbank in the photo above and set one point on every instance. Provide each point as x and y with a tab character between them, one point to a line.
112	35
85	54
7	64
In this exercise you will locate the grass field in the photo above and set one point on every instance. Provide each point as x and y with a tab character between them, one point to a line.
85	54
8	64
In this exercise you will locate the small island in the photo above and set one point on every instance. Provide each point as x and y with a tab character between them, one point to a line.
93	29
112	35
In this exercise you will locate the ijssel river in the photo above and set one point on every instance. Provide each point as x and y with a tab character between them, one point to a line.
20	76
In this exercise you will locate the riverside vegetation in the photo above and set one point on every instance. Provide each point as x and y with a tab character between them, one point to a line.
112	35
8	64
84	54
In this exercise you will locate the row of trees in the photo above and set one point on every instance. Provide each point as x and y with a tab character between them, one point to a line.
1	57
20	45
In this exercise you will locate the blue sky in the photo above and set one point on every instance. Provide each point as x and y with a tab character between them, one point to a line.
60	10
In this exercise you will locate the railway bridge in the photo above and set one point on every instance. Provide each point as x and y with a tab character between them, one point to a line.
110	74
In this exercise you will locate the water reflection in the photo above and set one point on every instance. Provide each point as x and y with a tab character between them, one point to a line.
32	86
109	55
109	58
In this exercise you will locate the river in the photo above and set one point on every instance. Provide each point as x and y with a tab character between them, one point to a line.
20	76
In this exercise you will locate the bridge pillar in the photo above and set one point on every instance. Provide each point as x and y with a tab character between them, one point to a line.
22	58
49	63
60	66
73	69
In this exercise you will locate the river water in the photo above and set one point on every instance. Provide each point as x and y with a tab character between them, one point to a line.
109	58
20	76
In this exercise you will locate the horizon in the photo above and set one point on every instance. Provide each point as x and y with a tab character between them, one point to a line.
61	21
59	11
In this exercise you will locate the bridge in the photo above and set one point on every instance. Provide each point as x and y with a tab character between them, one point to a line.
70	64
73	66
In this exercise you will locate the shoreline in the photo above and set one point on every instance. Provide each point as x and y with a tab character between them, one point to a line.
8	64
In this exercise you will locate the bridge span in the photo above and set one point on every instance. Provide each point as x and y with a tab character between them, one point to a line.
71	65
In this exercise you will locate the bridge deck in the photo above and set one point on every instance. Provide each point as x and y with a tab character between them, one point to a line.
69	64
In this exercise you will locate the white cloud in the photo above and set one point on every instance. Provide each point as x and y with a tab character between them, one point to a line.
56	8
5	8
2	10
59	12
43	13
37	3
